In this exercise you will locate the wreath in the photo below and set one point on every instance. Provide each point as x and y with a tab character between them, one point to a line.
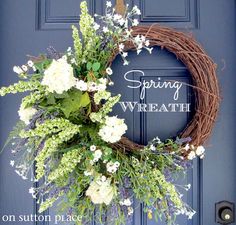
76	154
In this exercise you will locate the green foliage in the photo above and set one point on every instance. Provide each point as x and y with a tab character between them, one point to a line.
77	44
21	86
74	102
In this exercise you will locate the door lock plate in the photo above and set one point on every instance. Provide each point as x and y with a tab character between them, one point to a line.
225	212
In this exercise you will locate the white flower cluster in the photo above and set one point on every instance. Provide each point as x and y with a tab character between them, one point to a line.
59	76
97	154
126	202
100	191
24	68
193	151
185	211
112	167
118	25
26	114
101	85
113	129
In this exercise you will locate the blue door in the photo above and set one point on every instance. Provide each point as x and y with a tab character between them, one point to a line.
28	27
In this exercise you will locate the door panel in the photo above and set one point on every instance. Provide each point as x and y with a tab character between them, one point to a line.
29	27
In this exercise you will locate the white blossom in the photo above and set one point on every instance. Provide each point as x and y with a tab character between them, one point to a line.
112	167
103	178
87	173
187	147
26	114
113	129
121	47
125	54
136	10
147	43
130	211
12	163
111	83
191	155
81	85
117	17
96	26
59	76
108	4
135	22
150	50
24	68
101	192
122	21
92	86
200	150
105	29
93	148
109	71
126	63
30	63
97	155
139	51
17	70
126	202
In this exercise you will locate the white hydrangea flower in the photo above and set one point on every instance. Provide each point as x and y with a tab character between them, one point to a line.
81	85
200	150
101	192
59	76
113	129
26	114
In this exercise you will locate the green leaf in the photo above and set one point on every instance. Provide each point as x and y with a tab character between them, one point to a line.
85	100
51	99
89	66
96	66
74	102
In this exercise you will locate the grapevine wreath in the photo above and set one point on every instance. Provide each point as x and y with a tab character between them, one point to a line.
76	153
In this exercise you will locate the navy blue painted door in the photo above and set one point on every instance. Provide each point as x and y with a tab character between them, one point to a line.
28	27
